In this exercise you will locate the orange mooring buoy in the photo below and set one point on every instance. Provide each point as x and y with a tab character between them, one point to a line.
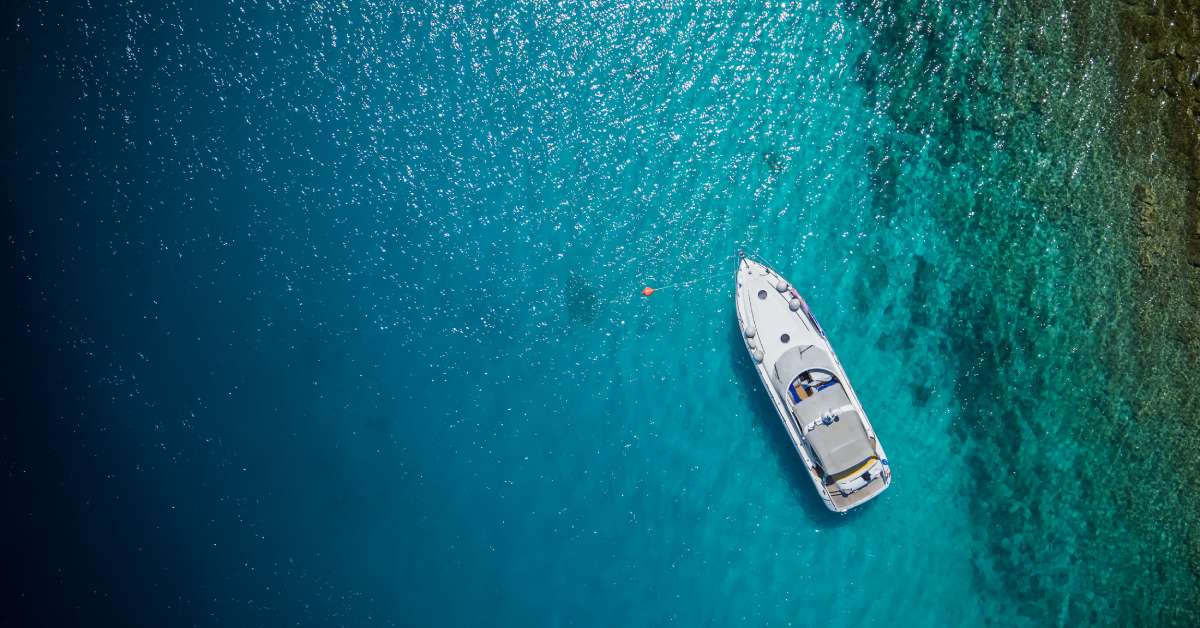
647	291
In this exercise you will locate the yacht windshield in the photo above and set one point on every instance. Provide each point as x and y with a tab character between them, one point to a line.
809	383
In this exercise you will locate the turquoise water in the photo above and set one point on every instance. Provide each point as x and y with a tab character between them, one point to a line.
335	312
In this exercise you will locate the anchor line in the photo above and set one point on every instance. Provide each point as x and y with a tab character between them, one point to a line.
647	291
684	284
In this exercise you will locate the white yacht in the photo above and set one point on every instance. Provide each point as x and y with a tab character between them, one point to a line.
810	390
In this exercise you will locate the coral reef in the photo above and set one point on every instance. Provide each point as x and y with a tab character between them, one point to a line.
1066	157
1160	62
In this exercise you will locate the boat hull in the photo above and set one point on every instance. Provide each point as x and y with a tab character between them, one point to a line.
764	323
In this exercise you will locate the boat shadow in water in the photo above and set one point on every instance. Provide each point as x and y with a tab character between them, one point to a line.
766	422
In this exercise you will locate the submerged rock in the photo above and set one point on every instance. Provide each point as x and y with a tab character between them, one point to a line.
1193	241
1150	245
1145	204
1163	59
582	302
776	162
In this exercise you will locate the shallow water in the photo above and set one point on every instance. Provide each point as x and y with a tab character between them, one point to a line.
334	315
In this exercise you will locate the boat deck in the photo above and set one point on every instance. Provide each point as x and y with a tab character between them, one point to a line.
872	489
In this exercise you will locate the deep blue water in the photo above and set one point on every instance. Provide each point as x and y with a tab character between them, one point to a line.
328	314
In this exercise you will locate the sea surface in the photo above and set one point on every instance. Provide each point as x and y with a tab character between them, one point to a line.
328	314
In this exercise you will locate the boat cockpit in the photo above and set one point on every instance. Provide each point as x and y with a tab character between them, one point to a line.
809	383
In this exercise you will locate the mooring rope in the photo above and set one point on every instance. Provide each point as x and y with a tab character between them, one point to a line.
647	291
